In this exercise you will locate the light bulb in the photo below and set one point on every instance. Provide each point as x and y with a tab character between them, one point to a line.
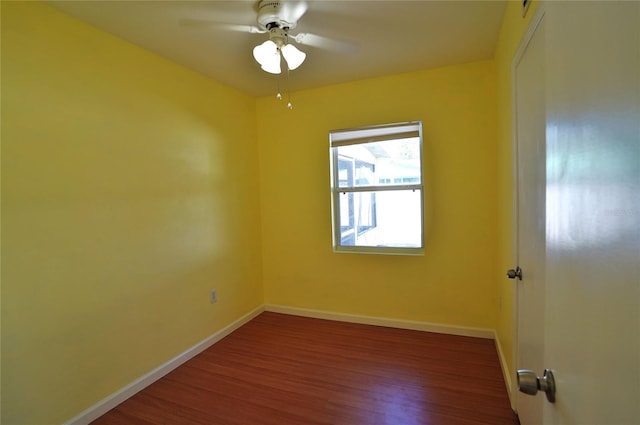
278	96
289	105
293	56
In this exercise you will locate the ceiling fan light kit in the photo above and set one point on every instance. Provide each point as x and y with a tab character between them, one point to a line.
268	53
277	18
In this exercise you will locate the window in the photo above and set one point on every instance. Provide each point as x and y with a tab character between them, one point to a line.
377	189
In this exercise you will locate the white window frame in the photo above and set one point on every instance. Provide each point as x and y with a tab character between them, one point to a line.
363	135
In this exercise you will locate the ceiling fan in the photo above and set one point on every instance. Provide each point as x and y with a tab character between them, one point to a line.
278	18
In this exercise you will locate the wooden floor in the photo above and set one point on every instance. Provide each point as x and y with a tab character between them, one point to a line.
283	370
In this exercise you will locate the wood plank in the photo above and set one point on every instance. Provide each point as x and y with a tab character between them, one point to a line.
288	370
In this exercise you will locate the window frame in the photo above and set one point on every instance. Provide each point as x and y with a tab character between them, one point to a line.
362	136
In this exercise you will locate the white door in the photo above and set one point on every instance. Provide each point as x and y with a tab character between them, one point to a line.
592	337
591	304
529	148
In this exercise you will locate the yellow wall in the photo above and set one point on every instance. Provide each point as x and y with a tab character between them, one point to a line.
513	28
128	192
454	282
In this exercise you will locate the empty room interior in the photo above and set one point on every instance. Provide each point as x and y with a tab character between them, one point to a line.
151	213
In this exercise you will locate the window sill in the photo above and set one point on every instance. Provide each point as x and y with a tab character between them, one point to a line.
379	250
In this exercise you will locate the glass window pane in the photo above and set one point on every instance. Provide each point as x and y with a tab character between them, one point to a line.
390	218
380	163
345	172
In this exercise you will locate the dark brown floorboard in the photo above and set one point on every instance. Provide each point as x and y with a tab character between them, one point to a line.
288	370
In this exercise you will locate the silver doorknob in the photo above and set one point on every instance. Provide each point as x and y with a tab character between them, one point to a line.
530	383
517	273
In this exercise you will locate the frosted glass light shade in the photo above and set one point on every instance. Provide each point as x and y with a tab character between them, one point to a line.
293	56
273	67
268	56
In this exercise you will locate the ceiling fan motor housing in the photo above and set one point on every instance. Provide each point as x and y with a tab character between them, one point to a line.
272	13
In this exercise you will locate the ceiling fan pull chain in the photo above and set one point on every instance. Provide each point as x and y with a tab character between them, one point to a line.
289	105
278	95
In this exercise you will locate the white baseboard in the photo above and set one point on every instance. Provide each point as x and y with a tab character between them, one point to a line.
506	373
382	321
103	406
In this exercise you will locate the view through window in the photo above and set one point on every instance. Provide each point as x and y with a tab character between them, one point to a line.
377	189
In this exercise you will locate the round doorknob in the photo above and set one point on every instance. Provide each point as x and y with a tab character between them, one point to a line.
530	383
515	273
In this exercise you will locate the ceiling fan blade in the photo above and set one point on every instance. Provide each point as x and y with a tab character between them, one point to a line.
202	23
324	43
292	11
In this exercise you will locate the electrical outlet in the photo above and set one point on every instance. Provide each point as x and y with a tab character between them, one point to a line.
213	297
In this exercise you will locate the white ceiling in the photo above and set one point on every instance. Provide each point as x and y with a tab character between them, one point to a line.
387	37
